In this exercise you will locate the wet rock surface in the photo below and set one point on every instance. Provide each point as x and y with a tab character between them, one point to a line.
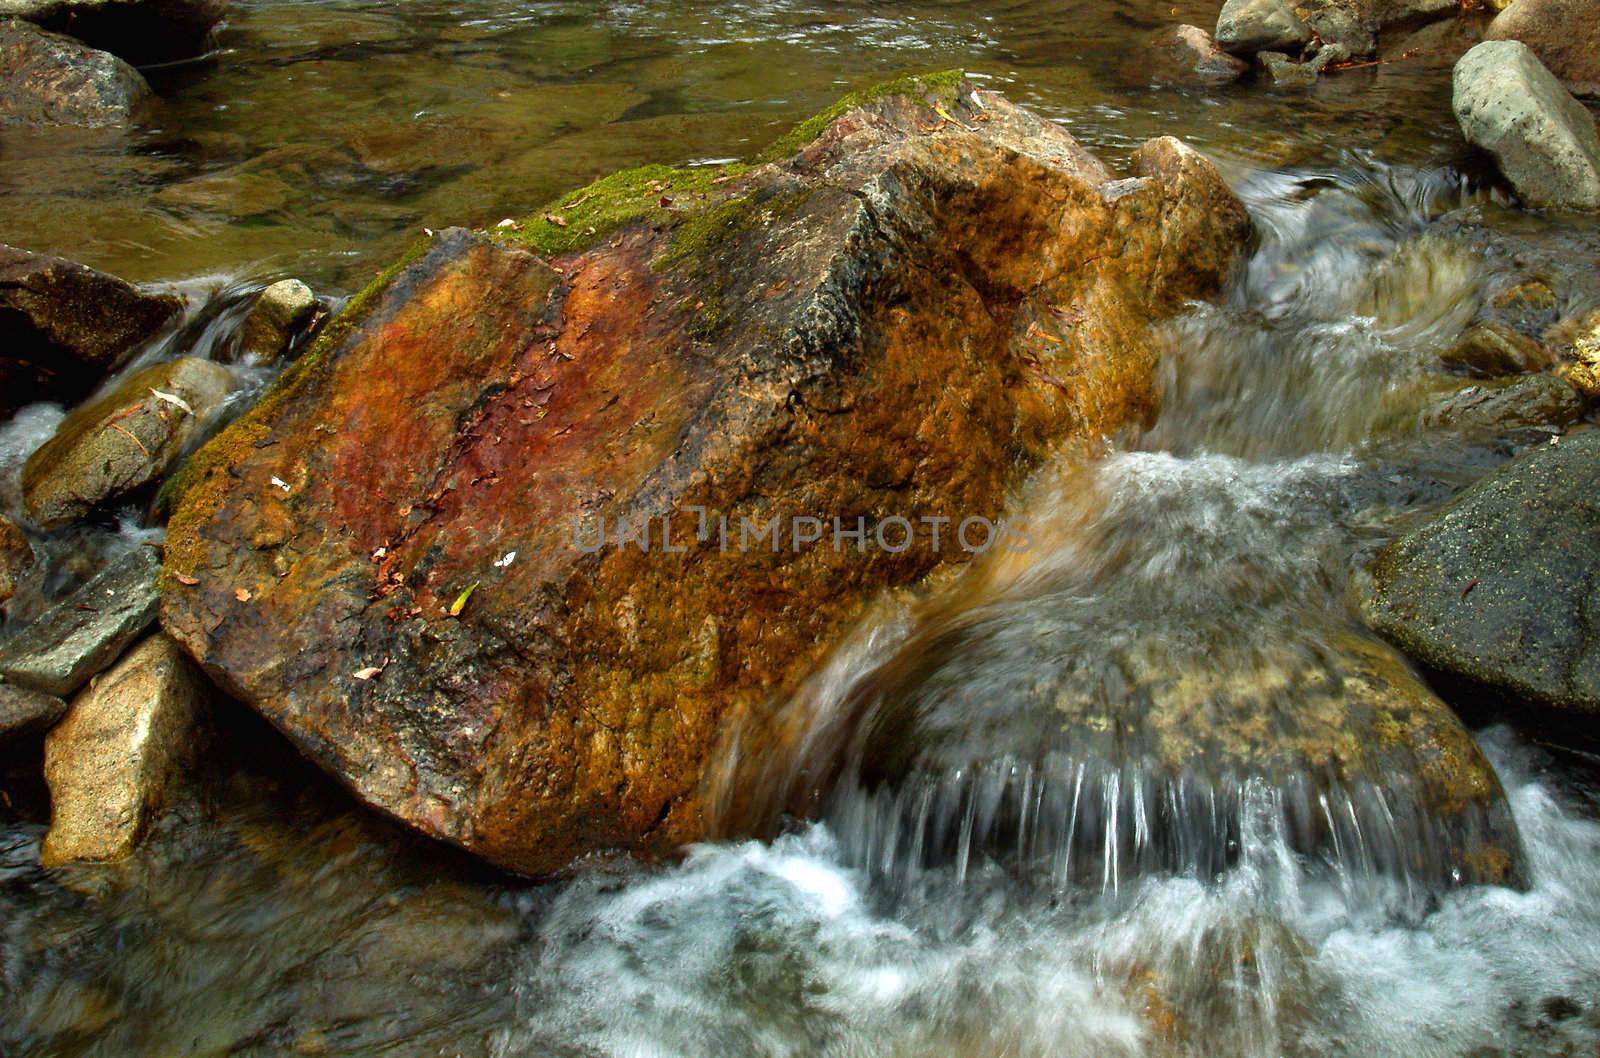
16	555
1502	588
25	712
1492	349
1185	55
85	632
1543	139
1564	34
113	759
280	315
49	79
891	320
1499	406
122	442
64	327
141	31
1248	26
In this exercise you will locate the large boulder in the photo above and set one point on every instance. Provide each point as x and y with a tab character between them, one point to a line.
1564	34
49	79
112	760
64	327
411	556
1544	140
141	31
123	442
1502	588
83	633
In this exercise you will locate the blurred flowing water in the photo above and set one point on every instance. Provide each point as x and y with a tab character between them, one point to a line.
948	874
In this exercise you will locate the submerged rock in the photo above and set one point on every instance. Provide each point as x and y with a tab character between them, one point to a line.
82	634
16	556
1500	587
1543	139
1086	751
1498	406
64	327
122	442
409	555
280	315
49	79
141	31
1491	349
112	760
26	712
1185	55
1564	34
1249	26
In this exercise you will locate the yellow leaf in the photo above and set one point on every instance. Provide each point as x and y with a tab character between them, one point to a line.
461	600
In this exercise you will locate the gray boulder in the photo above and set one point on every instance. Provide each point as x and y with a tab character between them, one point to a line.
64	327
49	79
1564	34
1544	140
1502	588
141	31
25	712
1248	26
1503	405
124	441
112	761
85	632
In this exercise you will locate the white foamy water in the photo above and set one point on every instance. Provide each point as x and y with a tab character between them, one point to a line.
782	949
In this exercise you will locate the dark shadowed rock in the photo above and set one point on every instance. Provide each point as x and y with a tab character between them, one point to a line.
141	31
112	761
1502	588
916	301
49	79
64	327
16	555
1543	139
85	632
1184	55
1564	34
26	712
124	441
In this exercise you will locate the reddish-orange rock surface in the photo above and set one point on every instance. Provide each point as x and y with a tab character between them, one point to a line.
897	321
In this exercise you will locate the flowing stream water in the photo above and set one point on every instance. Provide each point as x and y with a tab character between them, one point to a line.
1015	896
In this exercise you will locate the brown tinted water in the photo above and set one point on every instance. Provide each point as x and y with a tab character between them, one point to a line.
268	916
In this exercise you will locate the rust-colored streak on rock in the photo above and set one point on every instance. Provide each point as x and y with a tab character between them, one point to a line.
850	333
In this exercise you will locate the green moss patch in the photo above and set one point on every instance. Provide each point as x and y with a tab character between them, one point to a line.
579	219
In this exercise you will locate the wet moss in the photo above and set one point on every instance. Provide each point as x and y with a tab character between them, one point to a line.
583	217
201	485
940	86
662	193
